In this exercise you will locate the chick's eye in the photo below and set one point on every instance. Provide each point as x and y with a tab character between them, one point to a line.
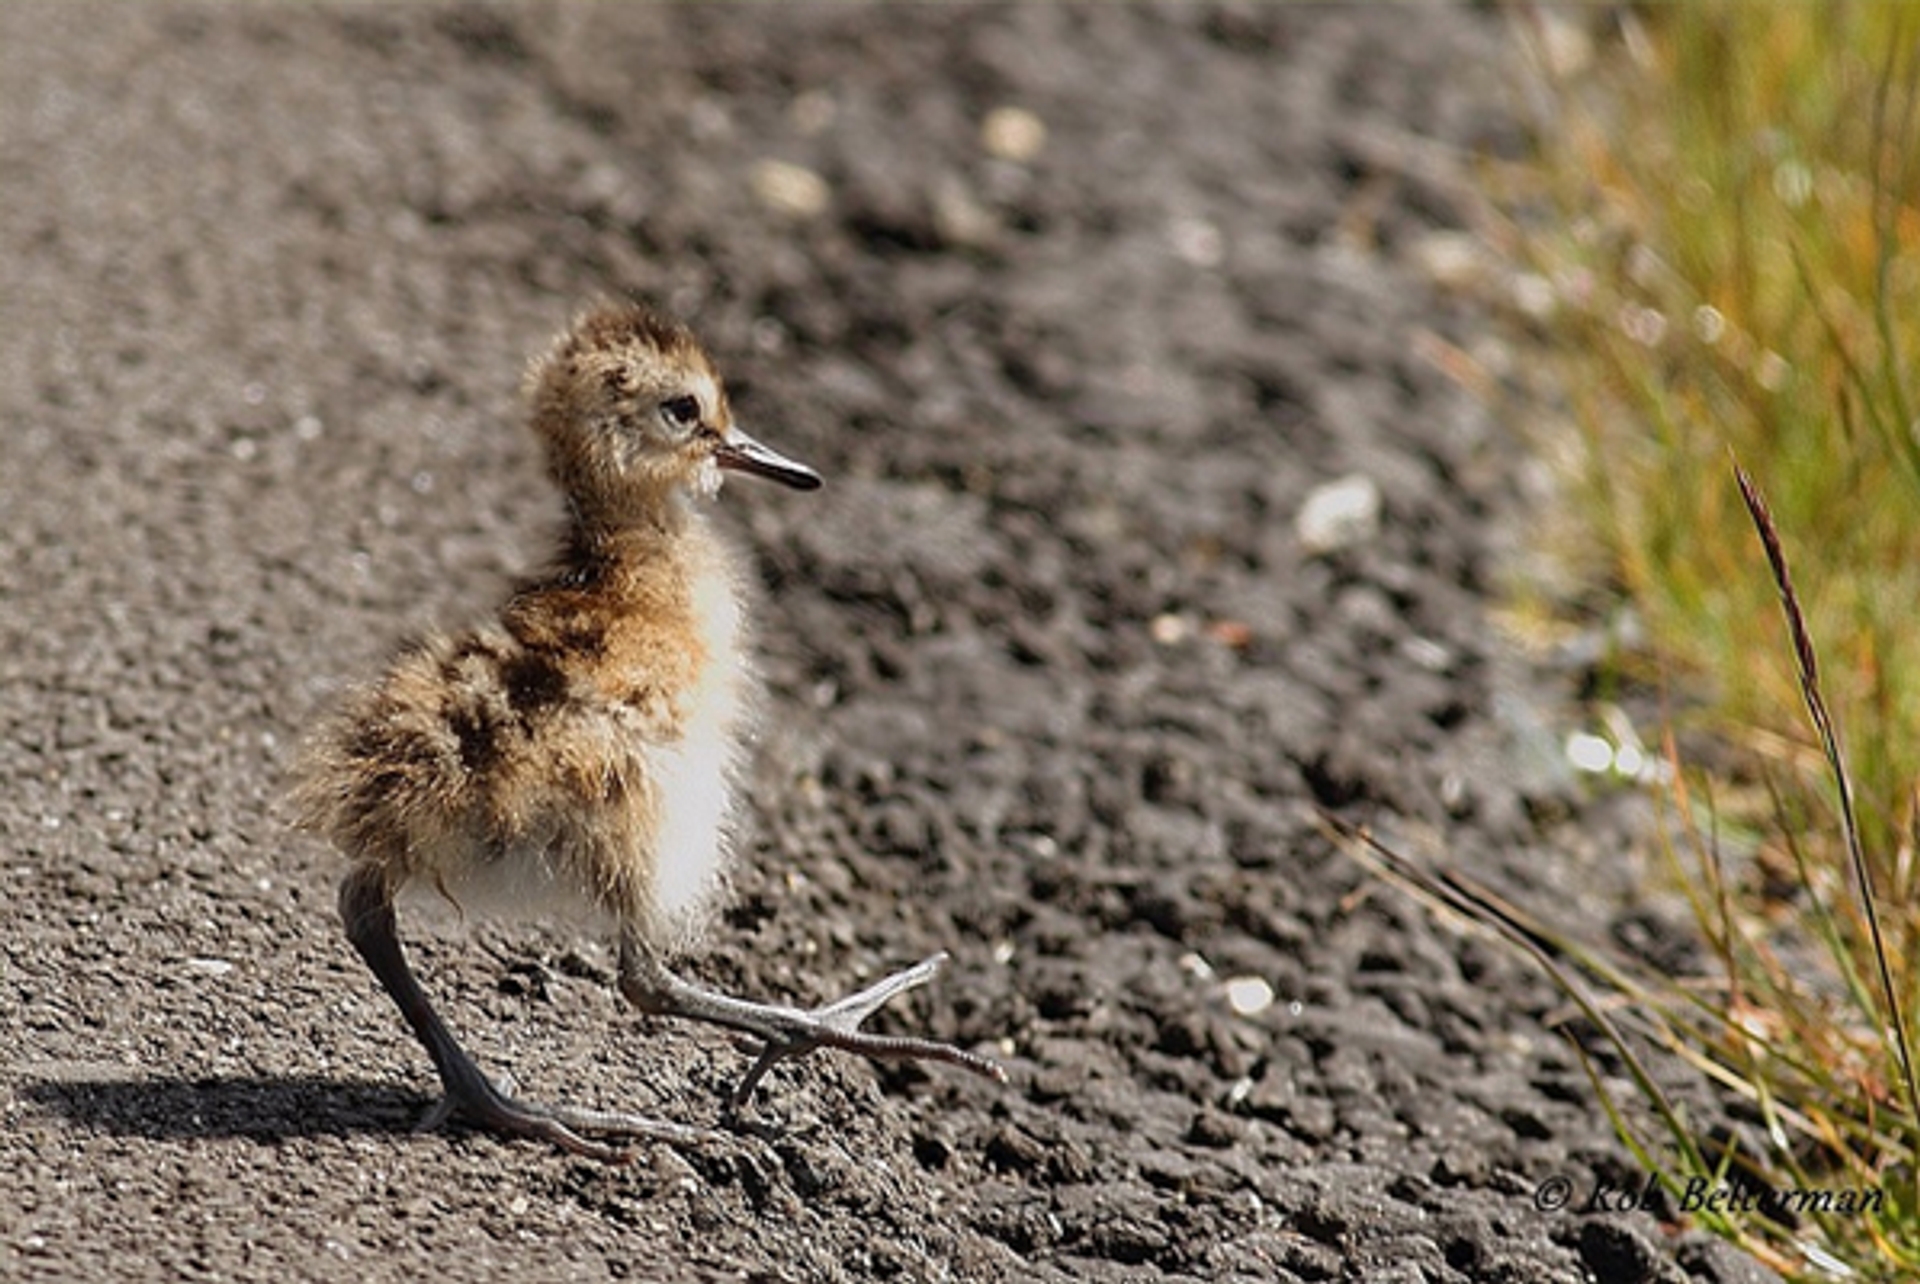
681	412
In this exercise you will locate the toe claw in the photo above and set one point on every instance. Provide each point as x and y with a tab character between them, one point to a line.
484	1103
837	1025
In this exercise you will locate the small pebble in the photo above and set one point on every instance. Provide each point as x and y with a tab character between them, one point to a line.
1169	629
1236	634
1013	133
1249	995
788	189
1589	753
1452	260
1428	654
959	216
1340	514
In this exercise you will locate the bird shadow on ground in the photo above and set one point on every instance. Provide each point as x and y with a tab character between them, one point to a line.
265	1108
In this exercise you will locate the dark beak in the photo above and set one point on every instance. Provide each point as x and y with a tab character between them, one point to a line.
743	454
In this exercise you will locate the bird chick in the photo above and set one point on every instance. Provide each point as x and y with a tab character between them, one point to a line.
583	750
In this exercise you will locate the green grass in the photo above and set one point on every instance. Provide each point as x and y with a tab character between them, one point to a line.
1733	255
1725	213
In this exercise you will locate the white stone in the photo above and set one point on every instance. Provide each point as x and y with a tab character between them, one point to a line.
1249	995
1340	514
789	189
1013	133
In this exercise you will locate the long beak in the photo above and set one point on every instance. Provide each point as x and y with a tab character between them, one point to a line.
743	454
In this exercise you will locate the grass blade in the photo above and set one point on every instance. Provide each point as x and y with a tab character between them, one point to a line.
1809	672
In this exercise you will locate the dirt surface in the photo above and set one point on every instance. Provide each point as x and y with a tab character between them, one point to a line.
1058	682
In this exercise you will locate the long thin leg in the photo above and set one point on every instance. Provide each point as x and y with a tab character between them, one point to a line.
792	1032
366	907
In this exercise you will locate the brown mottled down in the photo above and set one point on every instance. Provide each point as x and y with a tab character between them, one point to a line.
578	752
581	751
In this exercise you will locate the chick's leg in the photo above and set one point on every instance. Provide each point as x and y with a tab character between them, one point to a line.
787	1032
366	907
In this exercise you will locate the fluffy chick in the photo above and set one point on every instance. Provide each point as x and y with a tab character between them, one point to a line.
583	750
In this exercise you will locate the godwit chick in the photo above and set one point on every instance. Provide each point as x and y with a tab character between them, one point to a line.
582	749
